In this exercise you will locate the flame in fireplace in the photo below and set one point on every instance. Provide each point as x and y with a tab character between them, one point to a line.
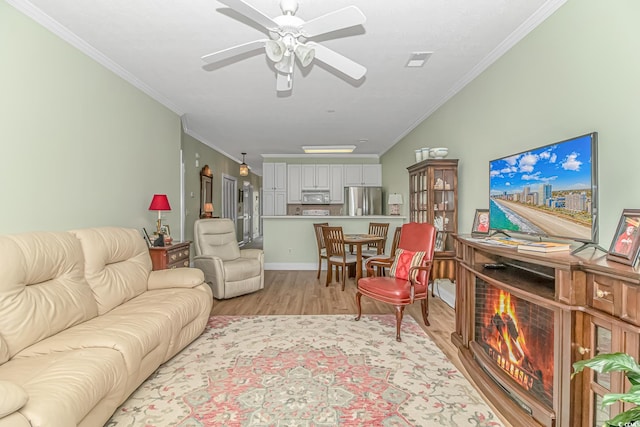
506	322
510	349
503	322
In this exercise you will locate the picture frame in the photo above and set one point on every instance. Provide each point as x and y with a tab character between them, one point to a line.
164	229
480	222
625	245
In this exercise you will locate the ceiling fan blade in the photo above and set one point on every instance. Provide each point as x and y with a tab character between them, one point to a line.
251	13
284	82
342	18
337	61
233	51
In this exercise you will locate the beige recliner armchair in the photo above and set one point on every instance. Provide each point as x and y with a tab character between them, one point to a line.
229	270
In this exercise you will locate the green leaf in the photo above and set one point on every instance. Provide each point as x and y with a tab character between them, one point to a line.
610	362
629	416
610	398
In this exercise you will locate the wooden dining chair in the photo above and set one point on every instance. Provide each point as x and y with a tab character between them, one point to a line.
322	250
377	229
337	256
384	259
408	278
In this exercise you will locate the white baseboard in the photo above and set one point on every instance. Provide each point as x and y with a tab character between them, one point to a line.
291	266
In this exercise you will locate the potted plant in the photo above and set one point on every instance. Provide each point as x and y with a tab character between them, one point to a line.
617	362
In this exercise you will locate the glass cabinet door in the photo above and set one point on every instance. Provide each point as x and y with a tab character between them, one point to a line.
602	341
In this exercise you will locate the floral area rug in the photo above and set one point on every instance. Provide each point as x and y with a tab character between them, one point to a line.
307	371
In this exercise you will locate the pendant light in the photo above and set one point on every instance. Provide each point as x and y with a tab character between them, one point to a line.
244	169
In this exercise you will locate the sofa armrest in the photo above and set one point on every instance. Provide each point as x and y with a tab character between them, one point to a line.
12	398
251	253
183	277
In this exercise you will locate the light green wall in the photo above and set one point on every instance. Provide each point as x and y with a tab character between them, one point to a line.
80	147
575	73
219	165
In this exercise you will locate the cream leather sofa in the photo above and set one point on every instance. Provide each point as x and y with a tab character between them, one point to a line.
229	270
84	321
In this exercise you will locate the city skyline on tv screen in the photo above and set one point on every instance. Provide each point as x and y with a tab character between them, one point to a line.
546	191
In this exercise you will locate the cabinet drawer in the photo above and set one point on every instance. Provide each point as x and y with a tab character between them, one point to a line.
176	255
172	256
603	293
181	263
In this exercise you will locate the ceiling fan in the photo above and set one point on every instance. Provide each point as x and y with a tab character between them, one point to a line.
288	40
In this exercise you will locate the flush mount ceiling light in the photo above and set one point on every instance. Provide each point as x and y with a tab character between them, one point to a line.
328	149
418	59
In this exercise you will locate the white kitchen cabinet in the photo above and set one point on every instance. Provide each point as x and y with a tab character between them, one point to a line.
363	175
315	177
336	184
274	189
274	176
294	183
274	203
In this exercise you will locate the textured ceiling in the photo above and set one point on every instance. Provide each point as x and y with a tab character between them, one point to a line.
234	106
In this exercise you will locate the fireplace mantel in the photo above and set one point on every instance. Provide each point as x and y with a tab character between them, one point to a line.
593	303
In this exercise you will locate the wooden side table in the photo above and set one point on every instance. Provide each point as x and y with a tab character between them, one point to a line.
170	256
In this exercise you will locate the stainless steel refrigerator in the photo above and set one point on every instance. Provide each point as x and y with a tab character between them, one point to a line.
362	201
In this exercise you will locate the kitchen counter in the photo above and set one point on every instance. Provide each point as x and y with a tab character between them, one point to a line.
290	242
340	217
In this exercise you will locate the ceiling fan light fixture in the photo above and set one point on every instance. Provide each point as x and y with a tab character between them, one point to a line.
285	65
305	54
275	50
328	149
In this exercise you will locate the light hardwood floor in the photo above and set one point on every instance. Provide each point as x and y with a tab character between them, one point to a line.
299	292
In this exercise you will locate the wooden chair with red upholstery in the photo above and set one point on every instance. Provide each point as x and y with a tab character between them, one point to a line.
408	279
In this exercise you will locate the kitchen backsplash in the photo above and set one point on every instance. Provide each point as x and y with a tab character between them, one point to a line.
334	210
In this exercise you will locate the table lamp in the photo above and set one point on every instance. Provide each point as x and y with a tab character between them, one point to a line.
208	210
159	203
394	202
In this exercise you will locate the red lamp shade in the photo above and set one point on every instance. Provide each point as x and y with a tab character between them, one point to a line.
159	203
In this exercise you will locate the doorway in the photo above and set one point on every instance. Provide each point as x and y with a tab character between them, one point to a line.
247	212
229	199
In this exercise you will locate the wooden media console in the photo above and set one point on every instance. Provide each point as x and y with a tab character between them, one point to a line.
521	324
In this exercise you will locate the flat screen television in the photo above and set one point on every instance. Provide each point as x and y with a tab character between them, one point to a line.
549	191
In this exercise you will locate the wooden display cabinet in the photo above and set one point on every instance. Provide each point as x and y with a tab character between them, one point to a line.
433	198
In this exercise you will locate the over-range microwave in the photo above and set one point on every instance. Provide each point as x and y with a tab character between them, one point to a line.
316	198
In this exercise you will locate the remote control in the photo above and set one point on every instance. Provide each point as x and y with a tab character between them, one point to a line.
494	265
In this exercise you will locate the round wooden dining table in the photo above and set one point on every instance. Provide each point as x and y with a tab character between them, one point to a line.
358	240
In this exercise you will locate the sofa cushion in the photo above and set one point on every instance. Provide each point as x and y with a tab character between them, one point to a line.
186	312
65	388
134	335
42	288
117	264
12	397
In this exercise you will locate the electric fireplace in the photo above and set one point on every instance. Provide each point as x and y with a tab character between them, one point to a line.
517	336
